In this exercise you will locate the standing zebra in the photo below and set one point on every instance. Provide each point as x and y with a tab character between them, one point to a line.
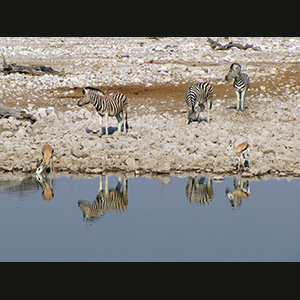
240	84
114	104
196	95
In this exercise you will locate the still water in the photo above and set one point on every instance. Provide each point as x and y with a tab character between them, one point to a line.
142	219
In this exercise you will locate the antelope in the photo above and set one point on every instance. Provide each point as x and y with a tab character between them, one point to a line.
47	152
240	149
241	191
47	193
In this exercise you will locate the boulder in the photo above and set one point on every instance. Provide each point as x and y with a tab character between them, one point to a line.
79	153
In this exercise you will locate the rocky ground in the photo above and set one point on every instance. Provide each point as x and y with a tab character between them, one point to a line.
154	74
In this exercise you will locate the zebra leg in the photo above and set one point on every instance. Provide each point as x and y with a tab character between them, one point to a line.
106	123
125	123
237	100
119	122
188	117
100	123
100	184
208	110
106	185
243	95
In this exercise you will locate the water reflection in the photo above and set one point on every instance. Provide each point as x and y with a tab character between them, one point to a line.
199	190
20	185
156	226
241	191
47	186
107	199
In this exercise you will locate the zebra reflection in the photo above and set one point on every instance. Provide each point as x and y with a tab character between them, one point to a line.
107	199
241	191
199	191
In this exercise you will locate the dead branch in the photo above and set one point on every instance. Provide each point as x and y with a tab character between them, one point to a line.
29	70
217	46
6	112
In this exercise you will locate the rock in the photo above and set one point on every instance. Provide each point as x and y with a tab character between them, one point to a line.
162	167
296	172
79	153
131	163
262	88
42	112
20	133
51	110
7	134
8	145
218	178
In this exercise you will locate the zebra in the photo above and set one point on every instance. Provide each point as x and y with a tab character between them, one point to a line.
107	199
196	95
197	191
240	84
114	104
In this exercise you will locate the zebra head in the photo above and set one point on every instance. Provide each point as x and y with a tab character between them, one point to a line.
234	70
86	97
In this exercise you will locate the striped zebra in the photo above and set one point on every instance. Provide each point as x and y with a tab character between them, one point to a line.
107	199
114	104
240	84
197	191
196	95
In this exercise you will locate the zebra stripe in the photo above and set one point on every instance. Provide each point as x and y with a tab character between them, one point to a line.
114	104
107	199
240	84
196	95
197	191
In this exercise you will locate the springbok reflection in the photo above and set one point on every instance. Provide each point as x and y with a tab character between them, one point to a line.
108	199
241	191
199	191
47	193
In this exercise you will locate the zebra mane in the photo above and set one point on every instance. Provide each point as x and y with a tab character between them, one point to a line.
94	90
235	64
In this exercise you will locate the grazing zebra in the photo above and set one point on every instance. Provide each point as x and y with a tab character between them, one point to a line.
196	95
108	199
240	84
114	104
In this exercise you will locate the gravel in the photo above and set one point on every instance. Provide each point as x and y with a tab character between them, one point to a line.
154	74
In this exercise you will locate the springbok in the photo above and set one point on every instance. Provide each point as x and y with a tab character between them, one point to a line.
241	191
240	149
47	152
47	193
